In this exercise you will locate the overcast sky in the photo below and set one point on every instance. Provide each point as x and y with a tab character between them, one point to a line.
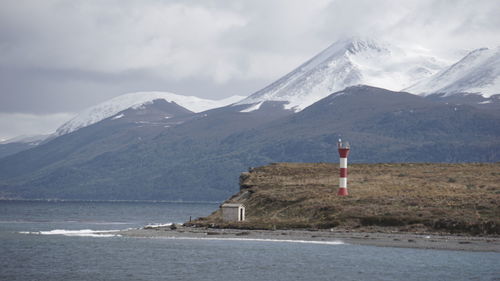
59	57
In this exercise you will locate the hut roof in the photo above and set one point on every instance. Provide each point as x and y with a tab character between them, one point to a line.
232	205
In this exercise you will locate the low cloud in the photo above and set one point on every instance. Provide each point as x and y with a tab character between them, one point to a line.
17	124
221	41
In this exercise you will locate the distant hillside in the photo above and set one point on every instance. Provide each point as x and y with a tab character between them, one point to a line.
456	198
17	144
139	154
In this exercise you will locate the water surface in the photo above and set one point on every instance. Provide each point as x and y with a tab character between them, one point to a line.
59	257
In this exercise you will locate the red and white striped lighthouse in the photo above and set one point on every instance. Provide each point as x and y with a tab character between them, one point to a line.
343	153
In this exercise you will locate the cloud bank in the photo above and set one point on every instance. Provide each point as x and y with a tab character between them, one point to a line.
63	56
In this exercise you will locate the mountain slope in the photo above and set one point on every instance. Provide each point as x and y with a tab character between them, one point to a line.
199	156
20	143
385	126
112	134
346	63
478	72
129	156
111	107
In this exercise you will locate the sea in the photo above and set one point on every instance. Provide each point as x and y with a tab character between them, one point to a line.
58	241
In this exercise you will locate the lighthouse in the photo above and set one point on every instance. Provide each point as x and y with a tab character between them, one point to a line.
343	153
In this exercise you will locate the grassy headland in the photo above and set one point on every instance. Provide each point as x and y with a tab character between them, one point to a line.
445	198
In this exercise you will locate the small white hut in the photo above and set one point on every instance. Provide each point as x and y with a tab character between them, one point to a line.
233	212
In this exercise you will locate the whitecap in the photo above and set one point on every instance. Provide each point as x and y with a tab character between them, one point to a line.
158	225
80	232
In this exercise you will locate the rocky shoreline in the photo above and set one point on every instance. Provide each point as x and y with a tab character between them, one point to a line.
380	239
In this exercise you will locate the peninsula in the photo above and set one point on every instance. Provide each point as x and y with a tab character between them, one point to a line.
405	205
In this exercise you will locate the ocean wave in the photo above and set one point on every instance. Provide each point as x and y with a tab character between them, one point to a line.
157	225
154	225
80	232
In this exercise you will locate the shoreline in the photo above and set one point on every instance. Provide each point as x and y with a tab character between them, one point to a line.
378	239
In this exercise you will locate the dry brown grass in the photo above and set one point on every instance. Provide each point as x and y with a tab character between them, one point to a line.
459	198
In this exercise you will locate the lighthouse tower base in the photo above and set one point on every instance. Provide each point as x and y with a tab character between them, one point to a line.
342	192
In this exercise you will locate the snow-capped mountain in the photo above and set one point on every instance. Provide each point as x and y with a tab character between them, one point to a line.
478	72
347	63
115	105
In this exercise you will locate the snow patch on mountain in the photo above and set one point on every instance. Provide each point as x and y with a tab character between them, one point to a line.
253	107
478	72
113	106
346	63
118	116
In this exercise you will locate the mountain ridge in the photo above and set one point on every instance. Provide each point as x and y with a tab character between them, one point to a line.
113	106
346	63
159	148
477	73
198	156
